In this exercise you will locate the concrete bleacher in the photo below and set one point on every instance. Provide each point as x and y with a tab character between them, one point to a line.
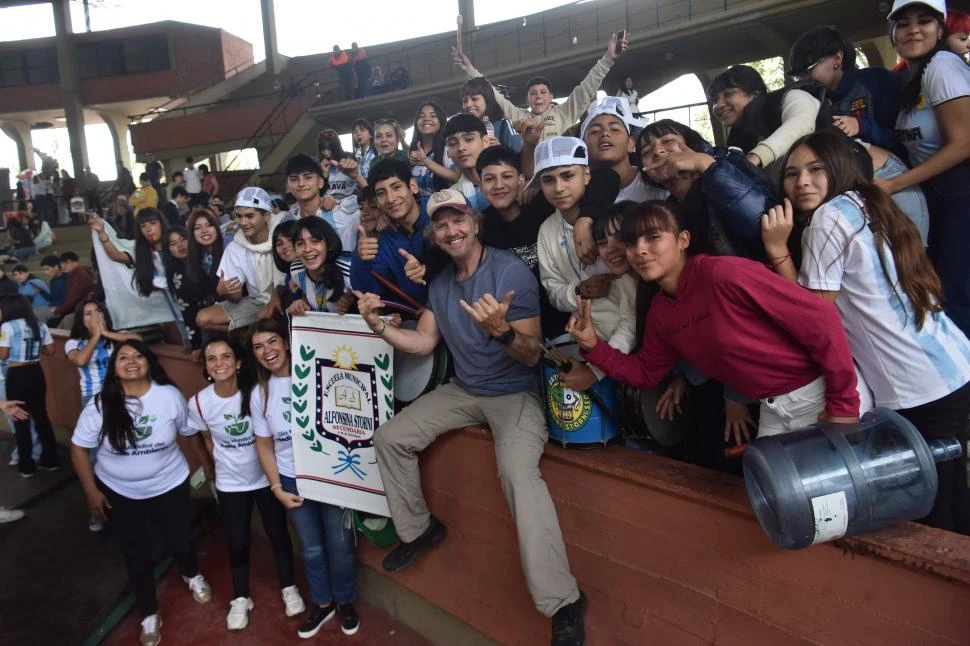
76	238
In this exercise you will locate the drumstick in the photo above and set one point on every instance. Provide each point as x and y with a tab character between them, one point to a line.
399	306
407	298
549	355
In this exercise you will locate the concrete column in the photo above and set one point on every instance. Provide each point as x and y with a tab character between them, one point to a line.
274	62
19	131
118	127
70	84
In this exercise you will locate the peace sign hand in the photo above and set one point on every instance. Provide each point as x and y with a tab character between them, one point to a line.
580	325
414	269
489	313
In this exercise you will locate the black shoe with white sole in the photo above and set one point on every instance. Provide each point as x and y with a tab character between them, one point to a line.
349	622
315	618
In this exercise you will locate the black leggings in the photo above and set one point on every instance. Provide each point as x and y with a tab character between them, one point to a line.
133	521
26	383
945	418
237	513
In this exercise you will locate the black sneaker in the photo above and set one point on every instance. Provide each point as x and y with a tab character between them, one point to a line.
407	553
568	628
349	622
315	618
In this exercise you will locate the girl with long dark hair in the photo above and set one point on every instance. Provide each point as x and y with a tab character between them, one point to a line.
327	541
205	249
187	299
316	278
217	412
364	152
477	98
932	127
146	257
22	340
735	321
141	477
863	254
430	165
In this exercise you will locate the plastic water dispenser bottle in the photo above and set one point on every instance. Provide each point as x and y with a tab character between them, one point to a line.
833	480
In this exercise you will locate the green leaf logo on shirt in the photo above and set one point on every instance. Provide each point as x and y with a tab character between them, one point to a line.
238	424
143	427
286	412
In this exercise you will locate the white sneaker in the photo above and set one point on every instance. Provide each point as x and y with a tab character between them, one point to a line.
201	591
293	601
10	515
151	630
238	617
95	524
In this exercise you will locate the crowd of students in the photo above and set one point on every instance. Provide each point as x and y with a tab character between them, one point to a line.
808	271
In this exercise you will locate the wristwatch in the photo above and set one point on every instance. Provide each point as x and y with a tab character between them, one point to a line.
506	338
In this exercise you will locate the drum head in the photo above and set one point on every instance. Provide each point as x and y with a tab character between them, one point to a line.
412	375
665	432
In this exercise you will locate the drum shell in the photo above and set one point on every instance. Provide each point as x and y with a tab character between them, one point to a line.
574	419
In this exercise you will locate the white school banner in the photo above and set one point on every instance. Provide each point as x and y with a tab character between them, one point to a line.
343	390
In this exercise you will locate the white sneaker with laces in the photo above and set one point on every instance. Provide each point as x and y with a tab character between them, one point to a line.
151	630
10	515
238	617
293	601
201	591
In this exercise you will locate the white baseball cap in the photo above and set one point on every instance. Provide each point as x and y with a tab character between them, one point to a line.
618	106
254	197
558	151
938	6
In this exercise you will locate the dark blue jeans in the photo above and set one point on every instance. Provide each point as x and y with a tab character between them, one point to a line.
328	548
948	198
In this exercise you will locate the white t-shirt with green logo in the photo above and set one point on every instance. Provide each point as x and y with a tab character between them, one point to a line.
233	440
273	420
154	464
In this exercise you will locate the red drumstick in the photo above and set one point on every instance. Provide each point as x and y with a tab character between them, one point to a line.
400	293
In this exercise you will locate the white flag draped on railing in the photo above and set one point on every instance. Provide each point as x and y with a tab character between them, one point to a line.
343	390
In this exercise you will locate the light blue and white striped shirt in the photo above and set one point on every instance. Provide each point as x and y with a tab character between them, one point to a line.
92	374
18	336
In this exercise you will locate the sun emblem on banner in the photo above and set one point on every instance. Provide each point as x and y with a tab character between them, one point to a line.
344	357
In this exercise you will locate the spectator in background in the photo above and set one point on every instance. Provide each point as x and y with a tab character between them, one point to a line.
210	183
629	93
155	172
341	64
92	187
125	184
7	284
21	238
173	208
400	77
361	71
177	179
121	218
80	284
145	197
378	83
958	33
388	140
33	289
193	180
56	280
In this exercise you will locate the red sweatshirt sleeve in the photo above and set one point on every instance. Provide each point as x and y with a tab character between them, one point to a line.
811	321
646	368
81	284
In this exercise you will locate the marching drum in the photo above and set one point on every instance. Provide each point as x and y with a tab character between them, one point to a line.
576	420
415	376
638	410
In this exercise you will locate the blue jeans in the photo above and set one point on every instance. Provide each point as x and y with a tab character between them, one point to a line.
328	548
912	202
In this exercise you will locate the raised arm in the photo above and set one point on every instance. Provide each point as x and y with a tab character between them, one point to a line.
585	93
420	341
97	225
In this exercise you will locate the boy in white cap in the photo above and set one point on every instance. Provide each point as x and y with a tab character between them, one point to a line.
562	172
246	262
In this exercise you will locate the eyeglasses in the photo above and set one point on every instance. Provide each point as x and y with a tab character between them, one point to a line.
804	74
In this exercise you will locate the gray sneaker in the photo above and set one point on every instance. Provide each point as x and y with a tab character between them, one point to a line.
201	591
151	630
10	515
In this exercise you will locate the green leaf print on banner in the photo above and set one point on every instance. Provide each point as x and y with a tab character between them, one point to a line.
301	371
299	391
306	352
382	361
299	405
389	400
303	421
316	446
308	436
388	381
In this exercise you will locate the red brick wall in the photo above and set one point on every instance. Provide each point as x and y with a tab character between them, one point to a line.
667	552
236	52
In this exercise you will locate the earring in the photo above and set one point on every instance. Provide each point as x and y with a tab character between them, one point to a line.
835	66
208	378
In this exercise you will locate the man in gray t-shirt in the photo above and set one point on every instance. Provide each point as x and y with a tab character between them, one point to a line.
486	307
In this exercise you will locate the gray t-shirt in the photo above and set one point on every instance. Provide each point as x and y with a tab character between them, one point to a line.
482	366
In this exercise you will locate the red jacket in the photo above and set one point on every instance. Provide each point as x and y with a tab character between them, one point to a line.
740	323
80	284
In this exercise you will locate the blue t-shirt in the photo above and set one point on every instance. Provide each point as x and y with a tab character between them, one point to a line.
35	290
482	366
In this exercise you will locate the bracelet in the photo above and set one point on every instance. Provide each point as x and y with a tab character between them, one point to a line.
278	484
777	262
380	332
104	239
